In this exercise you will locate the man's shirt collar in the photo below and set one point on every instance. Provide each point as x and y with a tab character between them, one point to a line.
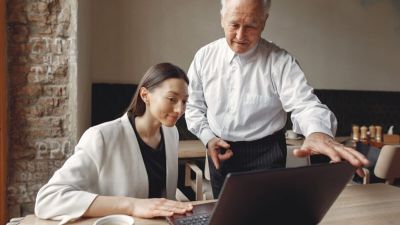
242	58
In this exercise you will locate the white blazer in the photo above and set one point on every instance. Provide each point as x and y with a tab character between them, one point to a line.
107	161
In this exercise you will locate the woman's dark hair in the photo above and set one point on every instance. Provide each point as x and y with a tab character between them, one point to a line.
154	76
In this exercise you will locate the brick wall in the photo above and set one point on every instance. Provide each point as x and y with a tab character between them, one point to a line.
42	69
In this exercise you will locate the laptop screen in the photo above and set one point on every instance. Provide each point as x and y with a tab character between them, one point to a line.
299	195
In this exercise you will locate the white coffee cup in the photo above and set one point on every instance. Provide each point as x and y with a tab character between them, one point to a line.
115	220
290	134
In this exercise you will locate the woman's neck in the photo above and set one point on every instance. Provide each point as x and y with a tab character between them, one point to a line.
147	126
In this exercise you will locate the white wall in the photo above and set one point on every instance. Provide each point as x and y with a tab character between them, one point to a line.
130	36
84	78
341	44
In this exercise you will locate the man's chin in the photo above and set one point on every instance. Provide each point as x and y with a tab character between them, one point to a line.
240	49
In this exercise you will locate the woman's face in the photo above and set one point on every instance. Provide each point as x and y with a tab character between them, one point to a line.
167	102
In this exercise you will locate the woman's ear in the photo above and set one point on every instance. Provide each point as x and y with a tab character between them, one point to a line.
144	95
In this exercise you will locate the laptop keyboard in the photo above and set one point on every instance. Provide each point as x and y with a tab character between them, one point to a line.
201	219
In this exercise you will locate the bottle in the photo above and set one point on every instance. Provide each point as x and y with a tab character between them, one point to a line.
363	135
378	137
372	132
356	133
372	135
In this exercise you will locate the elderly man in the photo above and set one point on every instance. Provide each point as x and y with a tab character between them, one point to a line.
241	87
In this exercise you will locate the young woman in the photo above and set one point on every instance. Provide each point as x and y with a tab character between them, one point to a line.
128	165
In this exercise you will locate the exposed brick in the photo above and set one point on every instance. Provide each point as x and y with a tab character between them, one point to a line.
36	60
38	45
44	122
28	208
17	12
37	12
35	111
14	210
21	60
51	133
40	111
40	75
19	33
42	8
41	29
35	18
17	49
64	16
55	90
23	154
29	176
19	69
55	6
29	90
25	101
52	101
18	79
60	79
61	30
41	55
18	193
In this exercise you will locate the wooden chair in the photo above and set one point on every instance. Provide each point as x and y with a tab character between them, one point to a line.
387	166
201	184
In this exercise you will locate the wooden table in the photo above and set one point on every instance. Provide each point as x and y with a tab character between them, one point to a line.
191	149
298	142
372	204
195	149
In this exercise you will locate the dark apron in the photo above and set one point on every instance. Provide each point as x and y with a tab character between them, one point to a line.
266	153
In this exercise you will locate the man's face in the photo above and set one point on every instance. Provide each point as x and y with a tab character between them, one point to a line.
243	22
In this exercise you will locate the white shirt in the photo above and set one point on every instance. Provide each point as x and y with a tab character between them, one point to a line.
245	97
107	161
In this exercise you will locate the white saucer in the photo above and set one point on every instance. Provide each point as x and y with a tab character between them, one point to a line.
115	219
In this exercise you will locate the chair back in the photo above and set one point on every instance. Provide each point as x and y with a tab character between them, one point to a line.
388	163
206	169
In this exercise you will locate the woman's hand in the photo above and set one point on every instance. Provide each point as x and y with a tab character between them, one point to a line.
146	208
155	207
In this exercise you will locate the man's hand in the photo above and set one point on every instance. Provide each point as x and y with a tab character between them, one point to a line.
214	151
320	143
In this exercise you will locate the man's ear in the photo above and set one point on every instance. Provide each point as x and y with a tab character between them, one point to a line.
144	94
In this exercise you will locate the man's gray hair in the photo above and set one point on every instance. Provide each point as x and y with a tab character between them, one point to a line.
265	3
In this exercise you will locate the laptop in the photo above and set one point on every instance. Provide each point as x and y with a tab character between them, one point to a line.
300	195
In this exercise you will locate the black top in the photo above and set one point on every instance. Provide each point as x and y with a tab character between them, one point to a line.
155	163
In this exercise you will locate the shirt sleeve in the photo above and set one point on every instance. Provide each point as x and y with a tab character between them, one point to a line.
196	109
67	195
309	115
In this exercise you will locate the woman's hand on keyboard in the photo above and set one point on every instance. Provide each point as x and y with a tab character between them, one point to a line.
155	207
